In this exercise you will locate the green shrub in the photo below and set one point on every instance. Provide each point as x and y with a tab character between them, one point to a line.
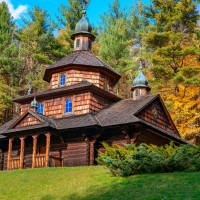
132	159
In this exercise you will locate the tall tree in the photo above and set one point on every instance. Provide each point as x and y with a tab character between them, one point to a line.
116	44
9	62
38	47
170	42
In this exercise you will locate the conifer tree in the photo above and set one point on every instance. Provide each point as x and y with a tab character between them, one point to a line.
115	45
38	47
172	48
9	62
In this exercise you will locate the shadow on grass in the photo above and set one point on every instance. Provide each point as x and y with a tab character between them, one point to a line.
144	187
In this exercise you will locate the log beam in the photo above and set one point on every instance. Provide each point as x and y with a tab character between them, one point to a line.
22	139
34	149
9	152
48	141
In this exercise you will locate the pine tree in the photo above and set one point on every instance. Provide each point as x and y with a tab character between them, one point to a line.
172	48
116	43
9	63
38	47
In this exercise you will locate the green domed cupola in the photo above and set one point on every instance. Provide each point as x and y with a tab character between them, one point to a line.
83	26
83	37
140	85
140	80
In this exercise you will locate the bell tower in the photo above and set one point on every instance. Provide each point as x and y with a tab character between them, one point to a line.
82	37
140	85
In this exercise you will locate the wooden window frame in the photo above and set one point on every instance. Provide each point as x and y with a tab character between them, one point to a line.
78	43
137	92
42	102
64	105
60	74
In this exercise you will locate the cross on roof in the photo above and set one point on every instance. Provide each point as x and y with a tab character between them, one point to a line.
84	2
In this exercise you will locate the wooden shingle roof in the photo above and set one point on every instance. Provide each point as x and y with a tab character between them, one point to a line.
123	112
119	113
82	86
82	58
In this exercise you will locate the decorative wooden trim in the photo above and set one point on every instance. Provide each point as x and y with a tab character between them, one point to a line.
22	139
34	149
48	141
23	116
9	152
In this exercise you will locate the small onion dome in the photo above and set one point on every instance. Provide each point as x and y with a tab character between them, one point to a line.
140	80
83	26
34	103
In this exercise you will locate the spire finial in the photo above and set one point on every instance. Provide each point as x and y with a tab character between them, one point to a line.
29	87
140	68
34	104
84	3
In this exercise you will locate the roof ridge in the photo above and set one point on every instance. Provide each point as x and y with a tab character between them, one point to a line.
76	56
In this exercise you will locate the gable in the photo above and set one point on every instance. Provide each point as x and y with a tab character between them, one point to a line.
156	114
28	120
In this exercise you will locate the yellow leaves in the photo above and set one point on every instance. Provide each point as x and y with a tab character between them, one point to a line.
184	109
61	38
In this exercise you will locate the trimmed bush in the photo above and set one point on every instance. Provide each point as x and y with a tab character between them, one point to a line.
132	159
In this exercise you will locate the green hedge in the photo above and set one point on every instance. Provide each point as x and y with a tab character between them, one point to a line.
132	159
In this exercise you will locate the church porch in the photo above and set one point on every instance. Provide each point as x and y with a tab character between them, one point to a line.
33	151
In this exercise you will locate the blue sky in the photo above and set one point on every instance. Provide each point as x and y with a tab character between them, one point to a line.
18	7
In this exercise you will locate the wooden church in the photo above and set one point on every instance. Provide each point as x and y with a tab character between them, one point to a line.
66	124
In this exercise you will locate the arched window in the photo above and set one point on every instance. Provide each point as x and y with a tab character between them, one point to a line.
68	105
77	43
62	79
40	108
137	93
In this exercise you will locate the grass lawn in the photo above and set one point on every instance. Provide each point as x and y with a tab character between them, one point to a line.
85	183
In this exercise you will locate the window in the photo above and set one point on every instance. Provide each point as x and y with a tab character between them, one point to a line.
136	93
40	108
68	105
77	43
62	79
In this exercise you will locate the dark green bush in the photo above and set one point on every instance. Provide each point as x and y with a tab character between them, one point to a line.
131	159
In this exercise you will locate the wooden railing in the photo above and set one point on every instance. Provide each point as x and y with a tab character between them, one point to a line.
14	163
56	161
40	161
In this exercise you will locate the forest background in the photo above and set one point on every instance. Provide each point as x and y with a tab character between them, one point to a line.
165	35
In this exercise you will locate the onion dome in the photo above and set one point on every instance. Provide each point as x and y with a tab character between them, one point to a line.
140	80
83	26
34	104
